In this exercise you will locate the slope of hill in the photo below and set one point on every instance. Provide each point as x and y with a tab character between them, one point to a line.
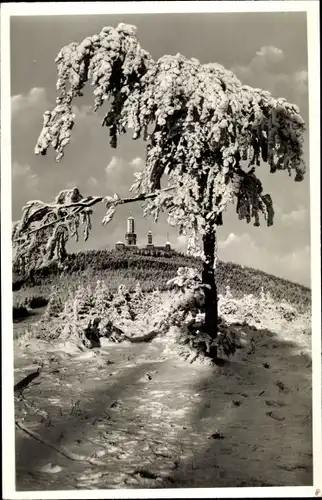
151	272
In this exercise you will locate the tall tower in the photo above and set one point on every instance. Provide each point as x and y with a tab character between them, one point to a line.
167	246
130	236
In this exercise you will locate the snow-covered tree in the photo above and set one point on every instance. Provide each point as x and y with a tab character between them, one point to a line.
205	134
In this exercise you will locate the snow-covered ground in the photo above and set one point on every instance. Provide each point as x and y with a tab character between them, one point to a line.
141	415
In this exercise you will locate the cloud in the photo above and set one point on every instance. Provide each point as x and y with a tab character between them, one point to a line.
298	260
37	99
71	184
231	238
28	109
300	80
114	164
266	69
25	186
266	56
270	54
92	182
118	164
22	104
23	177
244	250
79	163
297	216
264	60
120	173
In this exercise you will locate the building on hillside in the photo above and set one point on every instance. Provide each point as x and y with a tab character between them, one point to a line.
148	249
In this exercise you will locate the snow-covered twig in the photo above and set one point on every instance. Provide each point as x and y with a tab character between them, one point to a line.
87	203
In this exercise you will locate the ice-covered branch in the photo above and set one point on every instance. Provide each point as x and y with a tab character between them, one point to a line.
80	206
44	229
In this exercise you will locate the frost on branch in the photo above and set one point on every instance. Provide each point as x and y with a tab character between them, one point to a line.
41	235
111	203
186	279
202	127
114	62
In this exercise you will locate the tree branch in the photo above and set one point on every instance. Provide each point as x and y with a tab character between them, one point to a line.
89	202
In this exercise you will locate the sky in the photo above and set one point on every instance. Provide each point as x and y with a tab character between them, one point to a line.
265	50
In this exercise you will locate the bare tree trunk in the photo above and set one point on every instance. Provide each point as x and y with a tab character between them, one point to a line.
208	278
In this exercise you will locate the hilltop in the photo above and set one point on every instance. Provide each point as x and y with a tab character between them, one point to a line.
115	267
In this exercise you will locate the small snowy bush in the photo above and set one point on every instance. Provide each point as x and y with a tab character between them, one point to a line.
55	305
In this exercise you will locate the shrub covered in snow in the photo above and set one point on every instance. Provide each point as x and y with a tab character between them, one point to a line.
181	309
55	305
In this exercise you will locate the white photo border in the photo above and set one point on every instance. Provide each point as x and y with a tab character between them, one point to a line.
8	10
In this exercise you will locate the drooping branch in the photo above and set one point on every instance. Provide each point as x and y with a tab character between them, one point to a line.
81	205
44	229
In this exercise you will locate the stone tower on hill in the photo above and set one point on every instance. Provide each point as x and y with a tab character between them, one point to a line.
130	236
131	240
